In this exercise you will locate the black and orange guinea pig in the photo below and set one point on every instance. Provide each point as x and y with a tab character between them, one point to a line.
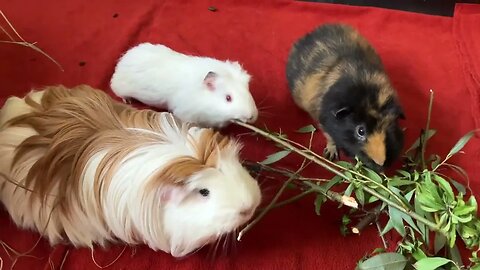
336	76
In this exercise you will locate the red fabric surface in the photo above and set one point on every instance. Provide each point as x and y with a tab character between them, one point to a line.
420	52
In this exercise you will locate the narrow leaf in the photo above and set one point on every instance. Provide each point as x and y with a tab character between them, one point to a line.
409	195
360	196
430	263
275	157
455	255
440	241
445	186
335	180
306	129
319	200
373	175
400	182
396	217
429	133
461	143
460	188
387	227
404	173
384	261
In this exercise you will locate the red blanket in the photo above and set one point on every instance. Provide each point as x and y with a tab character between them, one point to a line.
420	52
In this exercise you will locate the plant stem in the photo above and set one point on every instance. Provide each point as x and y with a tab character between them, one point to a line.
292	199
256	166
423	138
369	218
333	196
292	148
271	204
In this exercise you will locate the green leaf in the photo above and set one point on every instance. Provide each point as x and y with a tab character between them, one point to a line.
384	261
464	210
387	227
440	241
396	218
445	186
306	129
455	255
409	195
373	175
405	173
452	235
436	161
421	226
461	143
344	164
473	202
335	180
360	196
460	188
349	190
319	200
275	157
428	134
430	263
400	182
418	254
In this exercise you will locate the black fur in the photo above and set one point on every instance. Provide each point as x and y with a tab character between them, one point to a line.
349	101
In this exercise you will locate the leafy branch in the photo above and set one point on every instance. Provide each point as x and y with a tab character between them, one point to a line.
418	200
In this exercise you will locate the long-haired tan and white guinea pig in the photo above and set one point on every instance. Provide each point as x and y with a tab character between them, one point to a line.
336	76
196	89
100	171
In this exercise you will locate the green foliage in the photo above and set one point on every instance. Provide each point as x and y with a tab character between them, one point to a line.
417	200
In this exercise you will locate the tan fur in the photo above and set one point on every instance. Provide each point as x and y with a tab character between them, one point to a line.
309	92
375	147
72	125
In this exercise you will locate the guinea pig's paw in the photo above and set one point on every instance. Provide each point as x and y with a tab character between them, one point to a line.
330	151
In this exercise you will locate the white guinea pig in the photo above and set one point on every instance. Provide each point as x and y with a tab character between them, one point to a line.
200	90
103	171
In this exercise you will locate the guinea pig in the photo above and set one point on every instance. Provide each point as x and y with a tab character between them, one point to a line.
89	170
200	90
337	77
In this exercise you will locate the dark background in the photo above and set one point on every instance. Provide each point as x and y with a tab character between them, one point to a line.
433	7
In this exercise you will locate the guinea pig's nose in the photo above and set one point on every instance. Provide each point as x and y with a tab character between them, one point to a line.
247	212
252	118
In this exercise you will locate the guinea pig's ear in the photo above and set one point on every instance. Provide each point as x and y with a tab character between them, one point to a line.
341	113
172	193
209	80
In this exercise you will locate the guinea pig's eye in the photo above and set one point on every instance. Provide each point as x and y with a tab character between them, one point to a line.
204	192
228	98
361	131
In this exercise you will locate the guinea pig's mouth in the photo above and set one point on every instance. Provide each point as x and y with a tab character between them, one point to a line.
370	163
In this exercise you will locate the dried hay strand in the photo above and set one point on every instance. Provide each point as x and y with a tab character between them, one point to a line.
22	41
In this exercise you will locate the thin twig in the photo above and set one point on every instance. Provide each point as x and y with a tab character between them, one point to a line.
270	205
385	245
257	165
367	220
292	199
334	196
425	135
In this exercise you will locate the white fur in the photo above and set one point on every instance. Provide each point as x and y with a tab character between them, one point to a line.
161	77
128	211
